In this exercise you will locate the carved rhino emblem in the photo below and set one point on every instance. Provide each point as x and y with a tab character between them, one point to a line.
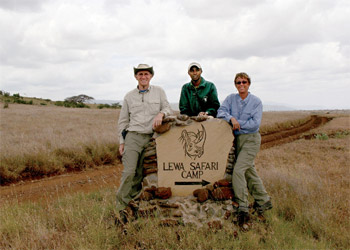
193	143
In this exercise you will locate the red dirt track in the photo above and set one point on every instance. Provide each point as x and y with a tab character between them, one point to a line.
50	188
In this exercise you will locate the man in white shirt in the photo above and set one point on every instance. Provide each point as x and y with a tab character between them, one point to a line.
143	110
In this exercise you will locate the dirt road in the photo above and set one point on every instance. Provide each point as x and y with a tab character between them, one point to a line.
109	177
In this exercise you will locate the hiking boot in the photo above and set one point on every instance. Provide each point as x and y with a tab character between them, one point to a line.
261	209
243	219
122	219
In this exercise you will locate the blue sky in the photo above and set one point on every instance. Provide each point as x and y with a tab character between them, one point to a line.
297	52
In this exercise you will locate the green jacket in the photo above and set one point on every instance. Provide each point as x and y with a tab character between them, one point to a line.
204	98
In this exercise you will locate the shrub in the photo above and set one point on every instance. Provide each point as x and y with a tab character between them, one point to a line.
322	137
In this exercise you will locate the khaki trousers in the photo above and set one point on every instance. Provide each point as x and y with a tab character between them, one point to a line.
244	173
131	181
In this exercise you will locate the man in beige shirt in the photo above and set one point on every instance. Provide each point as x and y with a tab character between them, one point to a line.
143	110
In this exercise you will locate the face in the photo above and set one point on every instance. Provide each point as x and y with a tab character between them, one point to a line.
195	73
143	77
243	87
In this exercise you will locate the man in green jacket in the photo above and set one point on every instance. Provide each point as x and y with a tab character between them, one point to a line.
198	97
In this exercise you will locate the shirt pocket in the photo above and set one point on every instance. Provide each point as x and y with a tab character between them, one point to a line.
136	110
154	107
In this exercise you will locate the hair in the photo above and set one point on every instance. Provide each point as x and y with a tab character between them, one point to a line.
242	75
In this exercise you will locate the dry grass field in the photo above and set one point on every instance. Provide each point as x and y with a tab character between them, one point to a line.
308	180
49	140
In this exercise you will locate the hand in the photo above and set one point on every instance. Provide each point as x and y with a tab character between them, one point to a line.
202	113
157	120
121	149
235	124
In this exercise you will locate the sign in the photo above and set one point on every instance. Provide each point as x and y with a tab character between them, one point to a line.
190	157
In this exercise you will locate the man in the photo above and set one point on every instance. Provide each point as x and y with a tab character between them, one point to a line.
198	97
143	110
244	112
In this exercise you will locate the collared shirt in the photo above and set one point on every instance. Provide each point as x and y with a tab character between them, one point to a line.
140	108
203	98
247	112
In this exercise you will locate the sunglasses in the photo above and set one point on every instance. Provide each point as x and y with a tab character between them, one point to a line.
242	82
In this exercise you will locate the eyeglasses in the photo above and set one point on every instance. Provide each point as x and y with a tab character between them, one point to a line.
242	82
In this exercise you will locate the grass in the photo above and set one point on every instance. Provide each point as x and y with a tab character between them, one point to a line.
308	181
44	140
40	140
277	120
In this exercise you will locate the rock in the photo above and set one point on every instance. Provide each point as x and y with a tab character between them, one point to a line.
177	213
182	117
201	194
222	193
222	183
210	187
163	193
215	224
151	189
200	118
168	223
150	152
150	144
146	196
147	212
168	205
169	119
149	171
152	165
163	128
150	160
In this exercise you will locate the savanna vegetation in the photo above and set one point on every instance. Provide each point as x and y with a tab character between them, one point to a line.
308	181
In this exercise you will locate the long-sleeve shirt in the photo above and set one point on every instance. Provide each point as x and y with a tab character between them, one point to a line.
140	108
194	100
247	112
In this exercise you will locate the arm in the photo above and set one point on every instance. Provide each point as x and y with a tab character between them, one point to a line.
253	123
214	103
224	112
184	103
165	110
123	121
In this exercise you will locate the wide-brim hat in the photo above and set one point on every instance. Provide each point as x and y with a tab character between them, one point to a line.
143	66
194	64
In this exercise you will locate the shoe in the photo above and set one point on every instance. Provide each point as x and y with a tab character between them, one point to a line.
243	219
261	209
123	216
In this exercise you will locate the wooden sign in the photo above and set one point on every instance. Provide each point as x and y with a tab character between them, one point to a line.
189	157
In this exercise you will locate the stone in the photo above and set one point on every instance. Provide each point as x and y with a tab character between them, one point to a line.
191	156
152	165
147	212
215	224
150	180
163	128
169	223
201	194
222	193
149	171
169	119
222	183
163	193
182	117
150	160
200	118
146	196
150	152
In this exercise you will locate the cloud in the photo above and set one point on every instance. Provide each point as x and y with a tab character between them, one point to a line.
58	48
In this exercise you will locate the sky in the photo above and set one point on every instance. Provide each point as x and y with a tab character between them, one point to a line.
297	52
